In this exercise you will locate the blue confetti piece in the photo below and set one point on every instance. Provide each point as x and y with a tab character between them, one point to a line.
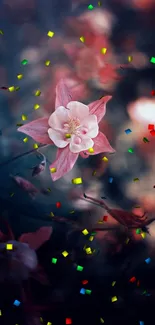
16	303
82	291
110	179
127	131
148	260
141	322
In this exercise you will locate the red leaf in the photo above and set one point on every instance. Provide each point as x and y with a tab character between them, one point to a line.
38	238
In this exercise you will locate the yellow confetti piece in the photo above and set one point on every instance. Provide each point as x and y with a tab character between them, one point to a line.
19	76
72	212
136	179
101	320
127	240
50	33
100	221
103	50
37	92
88	250
47	63
130	58
53	170
9	247
94	173
143	234
77	180
113	283
82	39
65	253
85	232
113	299
24	117
35	146
84	248
91	150
25	140
105	159
0	313
91	238
36	106
51	214
68	136
49	323
41	319
11	89
1	32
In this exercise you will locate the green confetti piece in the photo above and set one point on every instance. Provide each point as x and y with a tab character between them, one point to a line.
88	292
145	140
54	260
1	32
93	233
79	268
24	62
130	150
90	7
138	231
17	88
152	59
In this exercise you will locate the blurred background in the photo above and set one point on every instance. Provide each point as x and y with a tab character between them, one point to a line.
76	52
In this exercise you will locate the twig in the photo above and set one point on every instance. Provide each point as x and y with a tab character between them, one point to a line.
22	155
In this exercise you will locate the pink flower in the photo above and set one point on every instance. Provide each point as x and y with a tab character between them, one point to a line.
73	128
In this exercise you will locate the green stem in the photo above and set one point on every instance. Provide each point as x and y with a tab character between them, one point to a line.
22	155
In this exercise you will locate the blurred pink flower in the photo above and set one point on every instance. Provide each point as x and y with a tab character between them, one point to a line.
91	62
21	261
82	127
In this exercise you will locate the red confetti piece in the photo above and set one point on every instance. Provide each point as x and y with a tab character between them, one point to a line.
152	132
105	218
138	283
150	126
133	279
4	88
68	321
153	92
58	204
84	281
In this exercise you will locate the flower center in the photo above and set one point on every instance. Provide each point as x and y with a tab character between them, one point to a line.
72	125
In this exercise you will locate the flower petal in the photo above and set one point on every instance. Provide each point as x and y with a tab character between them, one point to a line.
99	107
65	160
91	124
63	95
37	238
85	143
58	118
84	155
77	109
37	130
101	144
58	138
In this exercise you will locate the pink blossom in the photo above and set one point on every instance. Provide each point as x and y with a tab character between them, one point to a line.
73	128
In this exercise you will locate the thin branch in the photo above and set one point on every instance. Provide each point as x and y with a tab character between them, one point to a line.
22	155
